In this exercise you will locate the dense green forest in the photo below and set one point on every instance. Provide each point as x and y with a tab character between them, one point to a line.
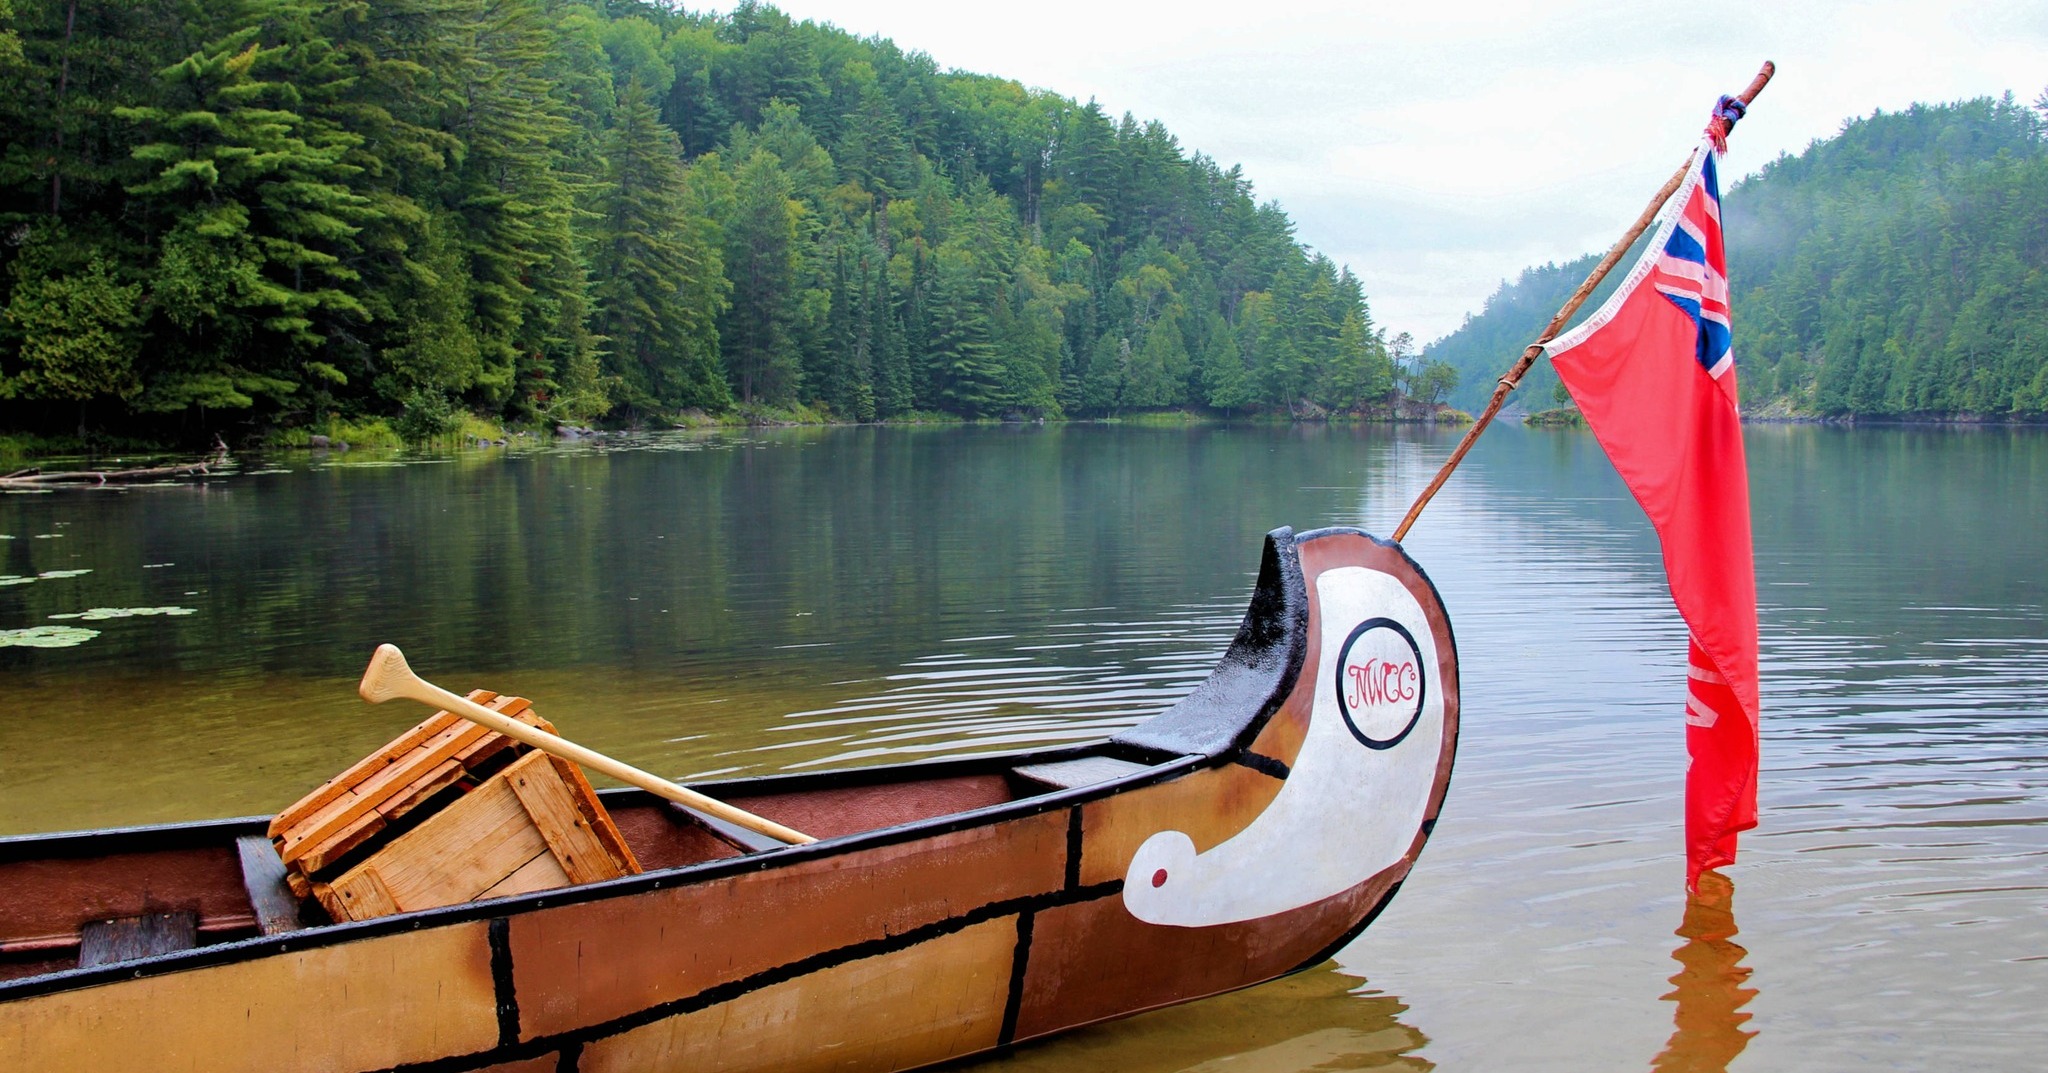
261	214
1898	269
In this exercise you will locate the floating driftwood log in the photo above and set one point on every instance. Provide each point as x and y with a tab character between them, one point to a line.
34	477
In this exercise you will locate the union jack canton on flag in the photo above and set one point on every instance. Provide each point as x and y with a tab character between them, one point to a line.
1653	372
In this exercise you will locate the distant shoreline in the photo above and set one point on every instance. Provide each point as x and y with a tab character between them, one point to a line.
1569	418
32	453
1905	421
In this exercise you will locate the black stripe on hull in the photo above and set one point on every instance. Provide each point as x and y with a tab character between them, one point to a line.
1264	765
1020	964
501	981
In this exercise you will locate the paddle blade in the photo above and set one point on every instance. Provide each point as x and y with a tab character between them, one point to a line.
387	676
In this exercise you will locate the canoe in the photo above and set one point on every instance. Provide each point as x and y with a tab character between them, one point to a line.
948	908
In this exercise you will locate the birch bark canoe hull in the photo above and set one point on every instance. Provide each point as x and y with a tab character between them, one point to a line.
950	908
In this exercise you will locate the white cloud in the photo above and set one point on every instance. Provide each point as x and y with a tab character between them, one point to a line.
1441	147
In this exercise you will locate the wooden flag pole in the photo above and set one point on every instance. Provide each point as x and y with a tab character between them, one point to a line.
1717	126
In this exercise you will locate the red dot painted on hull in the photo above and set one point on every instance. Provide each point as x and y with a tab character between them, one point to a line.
1159	878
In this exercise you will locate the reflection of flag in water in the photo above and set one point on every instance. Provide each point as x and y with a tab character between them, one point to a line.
1653	374
1709	1027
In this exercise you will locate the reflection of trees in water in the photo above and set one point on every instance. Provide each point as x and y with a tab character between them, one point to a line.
1709	989
1308	1022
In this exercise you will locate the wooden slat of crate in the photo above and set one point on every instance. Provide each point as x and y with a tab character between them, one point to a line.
437	753
594	813
298	811
522	829
361	898
540	873
455	855
367	783
415	793
404	752
343	805
490	744
312	859
605	853
562	825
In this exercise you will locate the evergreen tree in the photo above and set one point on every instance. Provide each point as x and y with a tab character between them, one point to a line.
1224	379
660	284
514	205
257	213
893	395
760	258
967	369
873	152
10	41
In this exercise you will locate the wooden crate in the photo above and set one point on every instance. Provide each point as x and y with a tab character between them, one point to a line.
448	812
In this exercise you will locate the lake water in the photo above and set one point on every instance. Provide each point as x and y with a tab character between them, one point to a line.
781	600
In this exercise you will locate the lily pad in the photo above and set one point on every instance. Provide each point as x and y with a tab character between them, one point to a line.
99	614
47	637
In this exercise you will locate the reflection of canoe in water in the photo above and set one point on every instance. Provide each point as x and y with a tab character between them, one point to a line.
949	907
1311	1022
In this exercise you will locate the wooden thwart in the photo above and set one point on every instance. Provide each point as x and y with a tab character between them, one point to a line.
104	942
1084	771
270	894
732	834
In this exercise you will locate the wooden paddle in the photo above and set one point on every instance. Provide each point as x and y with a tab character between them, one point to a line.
389	676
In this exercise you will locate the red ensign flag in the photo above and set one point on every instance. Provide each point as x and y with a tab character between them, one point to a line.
1654	376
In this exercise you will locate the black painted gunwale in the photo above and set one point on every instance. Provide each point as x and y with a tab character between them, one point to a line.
1274	626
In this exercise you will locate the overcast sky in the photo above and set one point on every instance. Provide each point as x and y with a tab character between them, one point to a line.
1441	146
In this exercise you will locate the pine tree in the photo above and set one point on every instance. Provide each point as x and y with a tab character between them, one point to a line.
258	215
1158	369
73	63
967	370
760	258
659	286
873	151
1029	330
10	41
514	204
1225	384
893	396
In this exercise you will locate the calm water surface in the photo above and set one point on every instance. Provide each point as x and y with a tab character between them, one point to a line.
702	605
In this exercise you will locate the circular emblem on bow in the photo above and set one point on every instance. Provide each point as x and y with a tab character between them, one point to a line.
1380	682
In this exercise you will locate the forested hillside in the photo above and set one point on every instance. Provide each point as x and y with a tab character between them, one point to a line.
260	213
1899	269
1489	341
